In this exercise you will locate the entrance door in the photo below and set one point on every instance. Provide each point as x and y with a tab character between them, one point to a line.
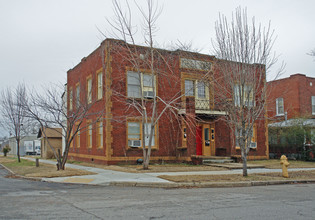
206	140
199	140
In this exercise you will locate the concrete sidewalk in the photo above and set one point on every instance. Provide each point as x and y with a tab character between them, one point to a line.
110	177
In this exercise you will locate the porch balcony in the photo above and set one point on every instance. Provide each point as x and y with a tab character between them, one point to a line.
200	107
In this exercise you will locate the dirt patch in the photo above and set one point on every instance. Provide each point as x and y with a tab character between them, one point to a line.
298	175
28	169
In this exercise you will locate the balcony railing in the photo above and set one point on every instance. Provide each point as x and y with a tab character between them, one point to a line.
202	104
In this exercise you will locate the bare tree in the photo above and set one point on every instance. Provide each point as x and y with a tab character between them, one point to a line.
49	109
13	113
312	53
245	55
143	99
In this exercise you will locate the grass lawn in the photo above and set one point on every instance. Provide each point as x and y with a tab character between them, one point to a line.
299	175
28	168
275	164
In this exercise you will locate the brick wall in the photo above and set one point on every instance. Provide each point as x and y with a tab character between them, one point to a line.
296	92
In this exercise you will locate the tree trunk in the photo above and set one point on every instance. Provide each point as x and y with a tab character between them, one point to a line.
244	158
145	161
18	150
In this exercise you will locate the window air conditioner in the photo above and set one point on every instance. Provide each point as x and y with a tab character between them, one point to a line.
134	143
148	94
253	145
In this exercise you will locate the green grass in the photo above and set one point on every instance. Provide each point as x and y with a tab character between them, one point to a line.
23	162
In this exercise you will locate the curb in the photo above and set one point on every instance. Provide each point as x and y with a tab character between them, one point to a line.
210	185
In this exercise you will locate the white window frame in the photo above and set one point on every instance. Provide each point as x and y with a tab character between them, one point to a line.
237	96
189	90
70	99
277	106
99	85
148	91
146	136
77	95
99	134
89	90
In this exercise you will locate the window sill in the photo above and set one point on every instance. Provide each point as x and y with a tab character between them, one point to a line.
279	115
139	148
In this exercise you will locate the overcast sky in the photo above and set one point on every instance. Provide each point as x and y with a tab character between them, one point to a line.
41	39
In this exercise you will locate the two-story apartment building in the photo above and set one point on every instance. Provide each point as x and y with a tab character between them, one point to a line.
191	127
291	97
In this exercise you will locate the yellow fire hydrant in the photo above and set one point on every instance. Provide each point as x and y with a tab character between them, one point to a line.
285	164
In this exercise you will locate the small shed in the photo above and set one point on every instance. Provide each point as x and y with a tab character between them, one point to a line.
50	138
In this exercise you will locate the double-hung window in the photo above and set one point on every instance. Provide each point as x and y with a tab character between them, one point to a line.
140	82
89	90
313	105
244	93
100	85
77	95
135	134
279	106
77	141
239	134
99	134
70	99
89	136
189	87
201	88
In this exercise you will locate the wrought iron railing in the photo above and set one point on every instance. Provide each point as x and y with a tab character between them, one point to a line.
202	104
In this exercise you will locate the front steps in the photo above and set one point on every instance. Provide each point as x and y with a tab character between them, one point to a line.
205	160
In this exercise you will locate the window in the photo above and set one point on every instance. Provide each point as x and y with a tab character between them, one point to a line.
244	93
195	64
89	136
70	99
77	139
201	90
99	134
189	88
100	85
89	90
279	106
71	134
140	82
77	95
238	135
313	105
135	134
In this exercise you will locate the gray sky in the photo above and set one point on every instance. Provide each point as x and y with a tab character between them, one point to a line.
42	39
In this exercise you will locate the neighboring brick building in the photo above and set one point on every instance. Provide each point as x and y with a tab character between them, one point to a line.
291	110
294	96
104	78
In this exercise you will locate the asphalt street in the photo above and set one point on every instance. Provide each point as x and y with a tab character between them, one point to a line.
26	199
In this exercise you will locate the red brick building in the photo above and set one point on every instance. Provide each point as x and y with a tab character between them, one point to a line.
294	96
191	128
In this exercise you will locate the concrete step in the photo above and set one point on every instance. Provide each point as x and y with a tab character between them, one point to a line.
207	161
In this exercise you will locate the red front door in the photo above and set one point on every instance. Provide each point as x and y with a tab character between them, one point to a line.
199	140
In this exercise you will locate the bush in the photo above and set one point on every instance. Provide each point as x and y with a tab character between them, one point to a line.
5	150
